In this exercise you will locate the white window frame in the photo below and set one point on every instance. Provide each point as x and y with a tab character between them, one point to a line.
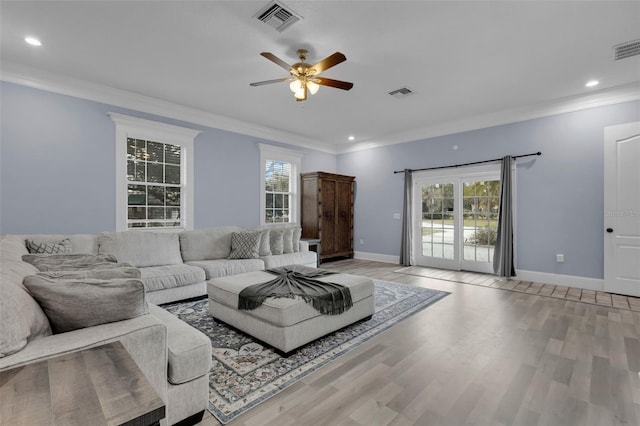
138	128
270	152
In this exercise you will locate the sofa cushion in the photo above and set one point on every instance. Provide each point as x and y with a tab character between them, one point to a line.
48	247
223	267
245	245
169	276
189	350
307	258
207	243
21	318
142	248
81	303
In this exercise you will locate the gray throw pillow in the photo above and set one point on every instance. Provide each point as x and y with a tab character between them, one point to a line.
245	245
287	240
99	274
276	241
265	243
21	319
66	262
297	234
75	304
48	247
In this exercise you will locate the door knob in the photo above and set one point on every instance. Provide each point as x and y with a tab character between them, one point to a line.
609	230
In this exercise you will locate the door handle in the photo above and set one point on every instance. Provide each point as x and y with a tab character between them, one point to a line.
609	230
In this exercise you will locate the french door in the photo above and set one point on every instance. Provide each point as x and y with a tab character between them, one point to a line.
457	218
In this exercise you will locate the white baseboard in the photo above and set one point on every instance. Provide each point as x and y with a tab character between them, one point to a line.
564	280
538	277
387	258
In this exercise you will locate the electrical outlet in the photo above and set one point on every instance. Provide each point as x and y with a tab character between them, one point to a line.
361	242
396	216
560	258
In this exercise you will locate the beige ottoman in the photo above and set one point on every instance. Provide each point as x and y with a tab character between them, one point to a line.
284	323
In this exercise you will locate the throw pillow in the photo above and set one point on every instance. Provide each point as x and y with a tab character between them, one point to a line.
297	234
265	243
74	304
287	240
65	262
48	247
21	319
245	245
99	274
276	241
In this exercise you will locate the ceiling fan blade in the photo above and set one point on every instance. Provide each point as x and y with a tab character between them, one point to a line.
344	85
277	80
273	58
328	62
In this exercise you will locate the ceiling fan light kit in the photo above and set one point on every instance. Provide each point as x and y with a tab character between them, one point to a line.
305	77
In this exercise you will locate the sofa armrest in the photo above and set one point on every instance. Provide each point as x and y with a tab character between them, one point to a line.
144	337
189	349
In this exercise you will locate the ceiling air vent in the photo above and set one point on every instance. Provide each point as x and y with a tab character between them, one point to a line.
401	93
626	50
278	16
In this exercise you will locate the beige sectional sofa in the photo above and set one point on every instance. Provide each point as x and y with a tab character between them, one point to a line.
174	357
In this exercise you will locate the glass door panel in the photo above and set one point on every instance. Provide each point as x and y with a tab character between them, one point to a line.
437	242
480	204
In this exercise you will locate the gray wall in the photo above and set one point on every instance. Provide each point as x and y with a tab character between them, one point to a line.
57	175
57	169
559	195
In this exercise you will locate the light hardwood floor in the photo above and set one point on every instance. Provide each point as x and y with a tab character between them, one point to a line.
480	356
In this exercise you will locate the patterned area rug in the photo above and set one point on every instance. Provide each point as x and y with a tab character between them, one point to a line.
245	373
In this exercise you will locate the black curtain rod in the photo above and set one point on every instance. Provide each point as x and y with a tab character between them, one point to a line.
467	164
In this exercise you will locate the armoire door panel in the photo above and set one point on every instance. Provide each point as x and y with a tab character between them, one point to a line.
328	209
309	209
344	240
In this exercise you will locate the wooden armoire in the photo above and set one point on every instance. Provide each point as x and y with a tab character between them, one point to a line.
327	212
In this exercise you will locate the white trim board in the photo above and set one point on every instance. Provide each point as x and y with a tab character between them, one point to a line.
585	283
376	257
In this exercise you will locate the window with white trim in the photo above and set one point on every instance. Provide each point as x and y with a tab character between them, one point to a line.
154	174
279	176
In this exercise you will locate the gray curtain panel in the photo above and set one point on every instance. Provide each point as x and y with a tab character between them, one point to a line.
406	249
503	257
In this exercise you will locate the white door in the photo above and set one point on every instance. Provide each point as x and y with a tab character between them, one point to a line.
456	218
622	209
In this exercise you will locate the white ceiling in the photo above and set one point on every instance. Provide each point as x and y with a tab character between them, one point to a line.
470	64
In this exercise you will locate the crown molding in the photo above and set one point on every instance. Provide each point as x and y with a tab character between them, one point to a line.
57	83
44	80
614	95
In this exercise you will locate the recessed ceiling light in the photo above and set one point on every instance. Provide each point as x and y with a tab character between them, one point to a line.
33	41
352	138
592	83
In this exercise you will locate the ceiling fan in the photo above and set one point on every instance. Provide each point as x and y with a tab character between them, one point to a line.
305	77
